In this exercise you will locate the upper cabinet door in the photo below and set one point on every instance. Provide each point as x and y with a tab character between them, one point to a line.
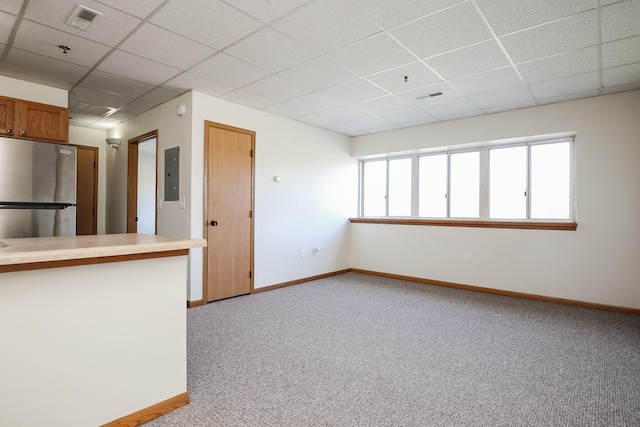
8	112
44	122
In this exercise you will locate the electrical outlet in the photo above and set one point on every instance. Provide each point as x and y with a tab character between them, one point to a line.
301	253
316	250
467	257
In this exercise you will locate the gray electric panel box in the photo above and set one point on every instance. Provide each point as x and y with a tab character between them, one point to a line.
172	174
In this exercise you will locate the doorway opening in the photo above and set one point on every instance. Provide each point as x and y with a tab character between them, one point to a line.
142	184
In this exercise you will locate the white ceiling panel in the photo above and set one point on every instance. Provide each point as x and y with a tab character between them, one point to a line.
623	75
566	85
137	68
187	81
409	115
96	97
448	93
345	129
316	120
159	95
470	60
11	6
326	25
434	35
372	124
623	88
270	49
353	91
285	111
230	70
569	34
393	80
277	88
344	114
20	75
81	120
210	22
508	96
508	107
168	47
393	13
373	55
138	106
53	69
449	108
6	25
267	10
567	64
106	123
487	82
620	52
314	102
242	97
509	16
568	97
109	28
383	105
44	40
138	8
319	73
620	20
115	84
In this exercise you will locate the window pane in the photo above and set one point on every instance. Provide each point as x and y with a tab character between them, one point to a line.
400	187
464	197
433	186
508	183
550	181
374	188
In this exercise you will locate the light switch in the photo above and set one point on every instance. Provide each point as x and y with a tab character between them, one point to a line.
183	202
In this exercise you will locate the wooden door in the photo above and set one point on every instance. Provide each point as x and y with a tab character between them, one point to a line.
44	122
87	191
229	178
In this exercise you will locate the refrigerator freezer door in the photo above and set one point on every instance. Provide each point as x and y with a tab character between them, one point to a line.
17	223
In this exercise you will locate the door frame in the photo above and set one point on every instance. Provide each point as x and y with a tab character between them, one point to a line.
132	180
205	224
96	175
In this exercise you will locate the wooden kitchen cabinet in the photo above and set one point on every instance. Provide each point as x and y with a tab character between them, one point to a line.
32	120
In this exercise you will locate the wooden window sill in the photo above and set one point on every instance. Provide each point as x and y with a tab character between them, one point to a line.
524	225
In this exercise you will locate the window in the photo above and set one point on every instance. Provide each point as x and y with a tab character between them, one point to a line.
529	181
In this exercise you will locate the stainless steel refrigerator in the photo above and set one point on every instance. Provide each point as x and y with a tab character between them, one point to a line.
37	189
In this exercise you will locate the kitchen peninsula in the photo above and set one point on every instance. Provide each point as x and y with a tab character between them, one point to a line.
93	329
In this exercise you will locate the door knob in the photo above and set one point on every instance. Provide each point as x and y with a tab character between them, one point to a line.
214	223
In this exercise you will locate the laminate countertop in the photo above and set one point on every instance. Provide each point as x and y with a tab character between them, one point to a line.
119	246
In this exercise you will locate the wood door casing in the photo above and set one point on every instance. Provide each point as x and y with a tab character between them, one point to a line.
229	191
87	191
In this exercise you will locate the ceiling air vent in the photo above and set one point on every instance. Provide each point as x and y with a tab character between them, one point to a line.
430	95
82	17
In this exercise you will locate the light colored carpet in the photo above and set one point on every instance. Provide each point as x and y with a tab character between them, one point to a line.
358	350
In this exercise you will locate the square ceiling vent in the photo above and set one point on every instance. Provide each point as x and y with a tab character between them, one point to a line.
82	17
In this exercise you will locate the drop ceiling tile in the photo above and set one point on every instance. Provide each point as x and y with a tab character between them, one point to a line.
44	40
82	120
470	60
6	26
12	6
229	70
270	50
569	34
566	86
115	84
138	107
139	8
372	124
164	46
501	108
319	73
267	10
487	82
242	97
218	27
277	88
326	25
50	68
566	64
410	115
315	120
96	97
159	95
344	114
569	97
373	55
392	13
618	76
509	16
314	102
105	123
345	129
447	109
433	34
620	52
620	20
392	80
35	79
187	81
109	28
121	115
353	91
385	104
623	88
461	115
501	97
284	110
448	93
137	68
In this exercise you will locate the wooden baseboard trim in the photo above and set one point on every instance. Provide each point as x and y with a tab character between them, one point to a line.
541	298
153	411
196	303
297	282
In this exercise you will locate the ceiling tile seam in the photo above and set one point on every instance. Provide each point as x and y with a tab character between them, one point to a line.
553	21
412	21
12	35
599	47
279	18
503	49
564	52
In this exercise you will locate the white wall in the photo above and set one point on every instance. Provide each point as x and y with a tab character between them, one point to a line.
35	92
95	138
597	263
